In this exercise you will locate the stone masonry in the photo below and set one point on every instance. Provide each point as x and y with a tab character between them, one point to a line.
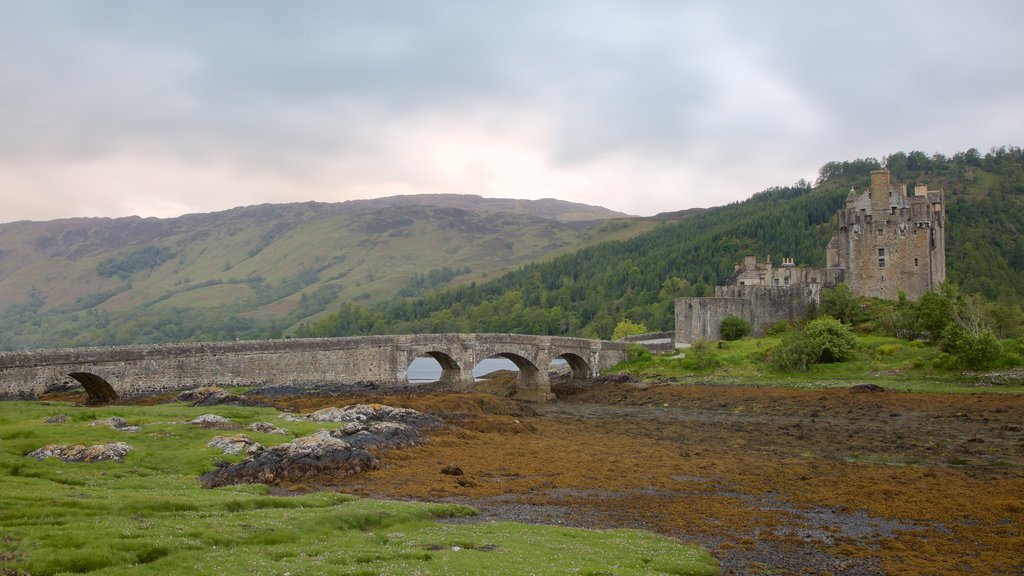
128	371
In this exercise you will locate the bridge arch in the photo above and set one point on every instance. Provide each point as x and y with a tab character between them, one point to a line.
579	368
99	390
451	372
530	376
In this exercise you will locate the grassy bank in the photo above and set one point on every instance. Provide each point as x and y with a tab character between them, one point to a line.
889	362
147	515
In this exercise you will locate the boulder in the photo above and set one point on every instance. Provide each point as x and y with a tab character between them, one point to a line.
268	428
114	451
212	420
237	444
117	423
214	396
57	419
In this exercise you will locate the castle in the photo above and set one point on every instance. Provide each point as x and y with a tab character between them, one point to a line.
886	242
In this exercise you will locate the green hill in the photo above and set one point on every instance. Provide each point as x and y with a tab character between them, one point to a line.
589	291
256	271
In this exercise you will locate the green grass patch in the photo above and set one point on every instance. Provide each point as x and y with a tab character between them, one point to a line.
148	515
890	362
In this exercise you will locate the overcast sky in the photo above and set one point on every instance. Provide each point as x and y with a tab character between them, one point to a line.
113	108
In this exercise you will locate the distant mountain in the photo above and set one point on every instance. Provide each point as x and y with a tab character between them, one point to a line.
259	270
549	208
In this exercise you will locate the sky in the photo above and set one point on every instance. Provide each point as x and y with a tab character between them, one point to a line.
161	108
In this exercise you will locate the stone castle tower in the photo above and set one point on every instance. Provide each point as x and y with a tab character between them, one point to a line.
889	242
885	242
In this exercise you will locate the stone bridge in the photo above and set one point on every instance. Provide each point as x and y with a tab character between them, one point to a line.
129	371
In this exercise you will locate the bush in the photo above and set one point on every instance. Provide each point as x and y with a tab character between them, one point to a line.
975	352
835	339
627	328
778	328
734	328
796	352
636	353
823	340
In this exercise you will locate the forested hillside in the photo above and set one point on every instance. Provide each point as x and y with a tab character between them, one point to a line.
589	291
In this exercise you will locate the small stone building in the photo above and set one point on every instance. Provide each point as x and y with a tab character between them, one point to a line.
885	243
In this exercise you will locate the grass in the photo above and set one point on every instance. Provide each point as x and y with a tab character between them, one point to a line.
890	362
148	515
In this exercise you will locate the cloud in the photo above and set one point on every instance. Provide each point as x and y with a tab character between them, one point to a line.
116	107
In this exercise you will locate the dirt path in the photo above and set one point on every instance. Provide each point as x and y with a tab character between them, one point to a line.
772	481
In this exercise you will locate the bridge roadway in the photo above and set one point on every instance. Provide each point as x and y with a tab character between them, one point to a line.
110	373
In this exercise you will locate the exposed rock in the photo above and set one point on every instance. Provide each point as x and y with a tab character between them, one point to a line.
317	455
113	422
214	396
237	444
268	428
117	423
328	454
373	412
867	388
115	451
209	419
55	419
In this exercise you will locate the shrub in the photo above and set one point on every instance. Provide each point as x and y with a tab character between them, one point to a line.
822	340
839	302
636	352
835	339
796	352
778	328
975	352
627	328
734	328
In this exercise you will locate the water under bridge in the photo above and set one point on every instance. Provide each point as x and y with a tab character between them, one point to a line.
108	373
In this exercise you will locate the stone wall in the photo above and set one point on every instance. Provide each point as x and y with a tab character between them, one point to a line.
146	370
762	306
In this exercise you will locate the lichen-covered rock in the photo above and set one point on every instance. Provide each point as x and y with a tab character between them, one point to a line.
330	454
117	423
209	419
374	413
113	422
56	419
214	396
237	444
114	451
267	428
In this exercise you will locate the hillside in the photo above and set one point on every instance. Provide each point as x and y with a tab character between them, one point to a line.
590	291
255	271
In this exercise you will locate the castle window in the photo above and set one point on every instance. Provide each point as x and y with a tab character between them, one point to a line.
915	262
776	280
787	281
881	252
879	231
881	262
